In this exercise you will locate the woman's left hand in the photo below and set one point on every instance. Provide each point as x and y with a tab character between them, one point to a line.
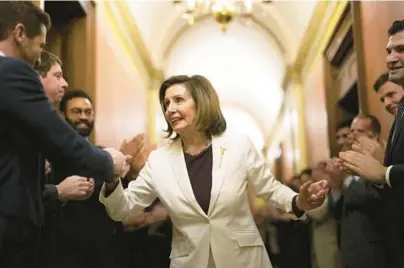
311	195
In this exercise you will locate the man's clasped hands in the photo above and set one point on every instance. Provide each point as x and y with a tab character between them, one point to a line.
364	159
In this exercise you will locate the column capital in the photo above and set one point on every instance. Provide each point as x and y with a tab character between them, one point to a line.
292	76
158	75
156	80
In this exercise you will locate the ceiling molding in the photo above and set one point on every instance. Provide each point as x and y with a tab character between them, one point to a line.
180	27
291	75
330	22
131	27
326	14
311	32
275	19
120	31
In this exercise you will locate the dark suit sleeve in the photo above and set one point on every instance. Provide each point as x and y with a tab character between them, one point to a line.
51	198
337	208
23	99
361	195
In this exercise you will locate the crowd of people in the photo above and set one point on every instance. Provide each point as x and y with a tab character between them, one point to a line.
199	200
360	223
51	175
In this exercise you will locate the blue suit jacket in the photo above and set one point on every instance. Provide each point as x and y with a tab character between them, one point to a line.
30	131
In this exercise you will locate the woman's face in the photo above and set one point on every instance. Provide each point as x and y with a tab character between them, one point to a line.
180	109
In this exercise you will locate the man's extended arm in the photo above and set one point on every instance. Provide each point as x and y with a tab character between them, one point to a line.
22	98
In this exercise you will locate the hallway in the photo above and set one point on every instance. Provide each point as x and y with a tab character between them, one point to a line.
280	71
250	134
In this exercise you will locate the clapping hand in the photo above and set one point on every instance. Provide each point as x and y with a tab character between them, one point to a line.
364	165
368	146
134	145
336	175
320	174
329	171
312	195
139	148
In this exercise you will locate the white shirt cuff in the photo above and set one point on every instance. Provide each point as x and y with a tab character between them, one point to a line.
388	176
336	195
347	182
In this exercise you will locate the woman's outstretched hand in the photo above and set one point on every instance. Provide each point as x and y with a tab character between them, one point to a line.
311	195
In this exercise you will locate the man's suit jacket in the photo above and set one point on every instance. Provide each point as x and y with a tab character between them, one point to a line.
394	197
394	157
361	229
30	130
228	230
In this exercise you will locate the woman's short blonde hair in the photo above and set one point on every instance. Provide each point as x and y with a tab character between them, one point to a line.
209	117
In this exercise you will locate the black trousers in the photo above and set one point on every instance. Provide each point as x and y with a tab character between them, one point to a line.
19	243
82	245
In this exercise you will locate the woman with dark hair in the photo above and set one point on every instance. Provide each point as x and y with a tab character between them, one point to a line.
201	177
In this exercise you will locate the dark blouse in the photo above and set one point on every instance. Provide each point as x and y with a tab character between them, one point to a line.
199	169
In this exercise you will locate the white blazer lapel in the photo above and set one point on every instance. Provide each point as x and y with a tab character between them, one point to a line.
220	155
177	163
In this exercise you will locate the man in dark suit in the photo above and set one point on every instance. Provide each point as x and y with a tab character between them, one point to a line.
30	130
391	174
82	234
50	73
359	208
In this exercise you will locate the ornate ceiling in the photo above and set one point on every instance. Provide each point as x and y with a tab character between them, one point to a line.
249	81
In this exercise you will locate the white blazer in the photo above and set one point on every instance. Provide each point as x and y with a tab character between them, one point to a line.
227	234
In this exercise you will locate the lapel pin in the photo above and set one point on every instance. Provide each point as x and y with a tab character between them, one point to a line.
222	150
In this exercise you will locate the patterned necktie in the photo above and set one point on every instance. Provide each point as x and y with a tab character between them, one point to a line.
399	117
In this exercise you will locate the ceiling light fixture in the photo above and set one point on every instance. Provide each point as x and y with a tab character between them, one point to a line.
223	11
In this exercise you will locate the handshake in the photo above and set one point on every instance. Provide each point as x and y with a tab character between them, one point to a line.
132	156
121	162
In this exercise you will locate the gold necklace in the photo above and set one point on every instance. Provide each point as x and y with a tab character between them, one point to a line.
208	144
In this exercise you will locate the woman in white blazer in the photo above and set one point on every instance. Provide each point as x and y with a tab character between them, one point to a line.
201	178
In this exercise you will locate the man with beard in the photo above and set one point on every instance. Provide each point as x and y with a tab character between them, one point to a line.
77	109
365	163
30	130
84	235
